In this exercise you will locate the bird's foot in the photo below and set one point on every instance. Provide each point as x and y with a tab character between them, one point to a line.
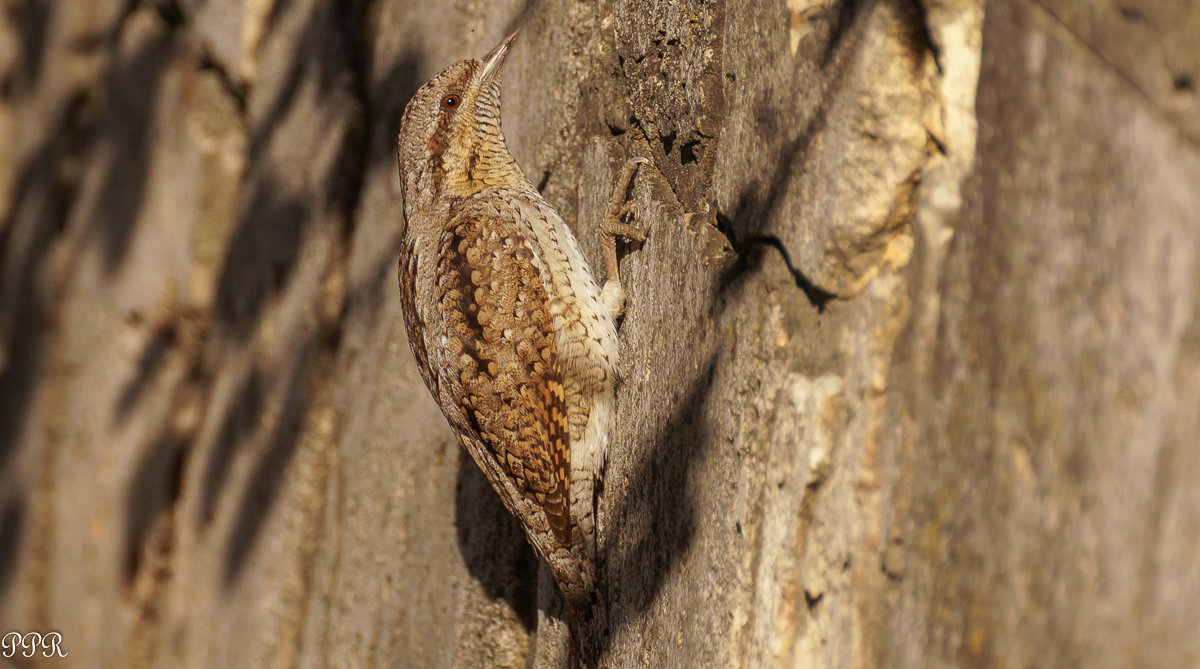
613	226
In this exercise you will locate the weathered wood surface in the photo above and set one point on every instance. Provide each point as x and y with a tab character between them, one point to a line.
911	357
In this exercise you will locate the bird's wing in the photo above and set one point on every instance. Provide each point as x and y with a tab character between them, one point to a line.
414	321
500	346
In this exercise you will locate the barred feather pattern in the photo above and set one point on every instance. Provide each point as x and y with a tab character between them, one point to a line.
505	319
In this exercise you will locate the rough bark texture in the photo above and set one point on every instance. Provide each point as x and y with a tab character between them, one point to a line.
911	356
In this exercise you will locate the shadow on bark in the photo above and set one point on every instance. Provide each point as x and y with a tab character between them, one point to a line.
12	526
41	201
44	193
152	494
125	139
492	542
653	524
262	488
753	222
150	362
31	19
237	425
262	255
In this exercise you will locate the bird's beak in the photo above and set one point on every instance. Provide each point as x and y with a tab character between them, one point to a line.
493	62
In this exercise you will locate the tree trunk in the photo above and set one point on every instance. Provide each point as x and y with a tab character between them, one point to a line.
910	361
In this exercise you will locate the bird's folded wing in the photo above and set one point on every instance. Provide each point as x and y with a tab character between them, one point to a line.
501	349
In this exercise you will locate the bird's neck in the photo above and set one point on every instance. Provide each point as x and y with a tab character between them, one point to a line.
481	164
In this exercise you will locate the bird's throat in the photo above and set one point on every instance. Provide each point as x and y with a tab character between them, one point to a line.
480	165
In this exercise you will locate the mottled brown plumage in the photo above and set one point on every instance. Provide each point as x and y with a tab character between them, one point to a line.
513	336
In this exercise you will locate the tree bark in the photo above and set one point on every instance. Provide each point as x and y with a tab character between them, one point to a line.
910	358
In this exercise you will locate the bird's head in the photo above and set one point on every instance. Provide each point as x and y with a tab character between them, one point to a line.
450	142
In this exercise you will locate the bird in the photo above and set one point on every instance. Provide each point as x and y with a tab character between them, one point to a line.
513	336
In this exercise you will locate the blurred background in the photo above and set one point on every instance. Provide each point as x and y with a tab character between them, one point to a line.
911	361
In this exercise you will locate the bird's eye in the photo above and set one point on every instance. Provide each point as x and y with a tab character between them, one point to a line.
451	102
